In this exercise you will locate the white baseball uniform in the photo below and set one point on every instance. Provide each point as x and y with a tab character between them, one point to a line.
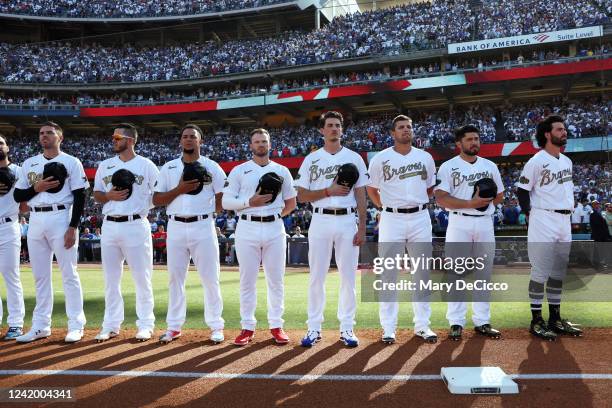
194	239
457	177
328	232
259	242
550	186
129	241
46	237
403	181
10	244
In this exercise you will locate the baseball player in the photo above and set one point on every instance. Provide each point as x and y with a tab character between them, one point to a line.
260	233
53	183
10	243
546	196
402	178
333	226
191	232
124	185
470	220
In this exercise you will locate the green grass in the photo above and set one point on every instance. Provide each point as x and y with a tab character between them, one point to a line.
598	314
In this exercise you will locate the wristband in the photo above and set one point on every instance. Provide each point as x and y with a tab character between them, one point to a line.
326	193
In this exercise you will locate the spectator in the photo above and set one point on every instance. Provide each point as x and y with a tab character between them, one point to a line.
298	233
159	244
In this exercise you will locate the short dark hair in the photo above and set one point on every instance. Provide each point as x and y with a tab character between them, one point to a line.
330	115
544	127
461	131
399	118
129	129
258	130
194	127
58	128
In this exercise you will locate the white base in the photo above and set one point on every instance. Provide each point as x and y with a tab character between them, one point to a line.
478	380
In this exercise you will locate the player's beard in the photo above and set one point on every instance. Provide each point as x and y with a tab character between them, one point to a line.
558	141
261	153
120	148
471	152
3	155
188	151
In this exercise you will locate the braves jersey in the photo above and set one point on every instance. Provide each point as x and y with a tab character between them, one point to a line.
403	180
457	177
32	171
141	200
549	181
243	180
319	169
189	204
8	206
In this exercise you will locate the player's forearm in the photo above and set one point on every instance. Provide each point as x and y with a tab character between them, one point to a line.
360	197
524	200
452	203
77	207
374	195
234	203
218	202
308	196
289	207
100	197
27	194
161	199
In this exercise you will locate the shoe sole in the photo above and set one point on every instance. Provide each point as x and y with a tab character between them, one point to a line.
217	341
311	344
103	340
388	341
455	338
30	341
490	336
142	340
72	341
429	340
280	341
349	345
242	344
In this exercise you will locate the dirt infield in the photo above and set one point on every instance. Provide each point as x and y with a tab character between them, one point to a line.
193	372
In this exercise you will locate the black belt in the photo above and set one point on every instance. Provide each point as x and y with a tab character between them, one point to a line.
49	208
5	220
334	211
189	219
268	218
564	212
122	218
405	210
469	215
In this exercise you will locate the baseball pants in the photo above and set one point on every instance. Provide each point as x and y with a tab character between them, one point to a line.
197	240
127	241
328	232
10	244
471	237
413	234
261	243
45	238
549	238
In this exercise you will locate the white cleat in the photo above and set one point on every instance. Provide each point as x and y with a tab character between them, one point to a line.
105	335
169	336
144	334
388	337
73	336
33	335
217	336
427	334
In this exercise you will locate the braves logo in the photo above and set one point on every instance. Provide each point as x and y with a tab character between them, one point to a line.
560	177
139	179
459	178
409	170
34	177
328	172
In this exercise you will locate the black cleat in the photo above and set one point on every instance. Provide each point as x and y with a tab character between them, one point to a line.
562	326
487	330
539	329
455	332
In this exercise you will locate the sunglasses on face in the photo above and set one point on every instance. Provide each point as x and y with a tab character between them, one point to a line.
117	137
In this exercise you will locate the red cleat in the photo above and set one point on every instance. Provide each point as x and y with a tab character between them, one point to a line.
244	337
279	336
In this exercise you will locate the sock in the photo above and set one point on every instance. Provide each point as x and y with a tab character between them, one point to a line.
536	295
553	295
555	312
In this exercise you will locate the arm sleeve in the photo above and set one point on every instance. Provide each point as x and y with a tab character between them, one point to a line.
287	190
77	178
77	207
301	178
161	186
524	200
375	172
442	180
498	180
430	165
219	178
231	193
528	176
21	195
99	181
364	177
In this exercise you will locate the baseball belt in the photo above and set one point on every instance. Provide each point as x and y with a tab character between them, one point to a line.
122	218
405	210
334	211
269	218
189	219
469	215
53	207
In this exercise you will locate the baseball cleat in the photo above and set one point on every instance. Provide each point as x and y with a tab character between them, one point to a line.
349	339
217	336
455	333
487	330
388	337
311	337
169	335
427	334
279	335
33	335
244	338
13	333
73	336
143	334
563	326
105	335
539	329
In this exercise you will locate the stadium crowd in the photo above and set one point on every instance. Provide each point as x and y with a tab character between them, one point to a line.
126	8
586	117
